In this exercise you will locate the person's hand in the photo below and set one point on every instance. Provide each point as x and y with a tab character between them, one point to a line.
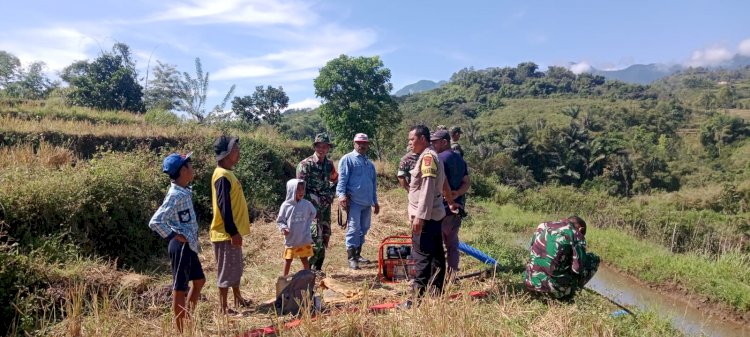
416	225
377	208
455	208
237	240
181	238
343	202
285	231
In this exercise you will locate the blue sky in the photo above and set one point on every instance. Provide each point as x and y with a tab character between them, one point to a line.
285	42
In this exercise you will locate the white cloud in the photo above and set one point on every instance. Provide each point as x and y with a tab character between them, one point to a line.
243	71
580	67
58	47
744	48
311	50
253	12
308	103
710	56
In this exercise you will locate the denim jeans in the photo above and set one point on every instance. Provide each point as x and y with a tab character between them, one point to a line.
358	223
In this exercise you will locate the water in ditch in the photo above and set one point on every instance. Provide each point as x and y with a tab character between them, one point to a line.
626	291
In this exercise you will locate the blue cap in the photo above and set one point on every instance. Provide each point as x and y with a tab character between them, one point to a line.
173	162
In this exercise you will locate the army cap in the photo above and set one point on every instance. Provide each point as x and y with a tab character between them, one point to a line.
456	129
322	138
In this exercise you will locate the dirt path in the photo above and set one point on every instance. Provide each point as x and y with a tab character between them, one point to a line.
263	262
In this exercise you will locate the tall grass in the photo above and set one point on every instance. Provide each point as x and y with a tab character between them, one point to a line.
725	278
53	109
44	155
660	219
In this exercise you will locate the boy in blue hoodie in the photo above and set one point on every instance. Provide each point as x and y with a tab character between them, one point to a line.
295	217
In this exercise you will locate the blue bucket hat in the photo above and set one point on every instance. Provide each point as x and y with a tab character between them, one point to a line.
173	162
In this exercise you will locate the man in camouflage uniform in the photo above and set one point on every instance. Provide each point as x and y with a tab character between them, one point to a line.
406	165
455	136
320	178
558	263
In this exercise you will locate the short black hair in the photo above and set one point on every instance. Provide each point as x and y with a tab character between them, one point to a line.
177	173
421	130
578	222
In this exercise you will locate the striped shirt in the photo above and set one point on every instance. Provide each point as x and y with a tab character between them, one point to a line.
177	216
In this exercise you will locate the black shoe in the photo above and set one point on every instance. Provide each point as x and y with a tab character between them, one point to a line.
359	257
405	305
351	254
353	265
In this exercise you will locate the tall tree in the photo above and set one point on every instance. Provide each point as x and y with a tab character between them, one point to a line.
10	67
193	95
264	105
163	91
30	83
356	94
109	82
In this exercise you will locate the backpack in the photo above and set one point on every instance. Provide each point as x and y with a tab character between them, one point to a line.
299	290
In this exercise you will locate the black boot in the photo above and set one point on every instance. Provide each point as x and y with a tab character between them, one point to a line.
361	259
318	264
351	254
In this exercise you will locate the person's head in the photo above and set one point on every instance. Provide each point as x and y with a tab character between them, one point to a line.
227	151
361	143
419	138
578	223
300	190
440	140
456	133
178	168
322	144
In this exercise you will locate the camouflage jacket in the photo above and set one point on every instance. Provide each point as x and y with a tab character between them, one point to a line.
557	255
320	180
407	164
456	147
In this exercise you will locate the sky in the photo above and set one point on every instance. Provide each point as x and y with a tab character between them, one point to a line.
285	42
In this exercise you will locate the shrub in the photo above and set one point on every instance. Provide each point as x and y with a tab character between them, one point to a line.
104	204
21	285
481	187
161	117
263	173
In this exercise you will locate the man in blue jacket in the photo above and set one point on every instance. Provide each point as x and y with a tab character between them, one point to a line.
357	193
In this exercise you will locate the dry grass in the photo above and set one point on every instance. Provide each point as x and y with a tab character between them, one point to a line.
263	134
506	312
29	156
99	129
742	113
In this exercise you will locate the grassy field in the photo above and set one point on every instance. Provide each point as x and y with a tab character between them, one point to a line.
89	311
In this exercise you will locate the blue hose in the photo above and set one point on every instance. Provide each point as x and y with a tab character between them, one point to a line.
476	253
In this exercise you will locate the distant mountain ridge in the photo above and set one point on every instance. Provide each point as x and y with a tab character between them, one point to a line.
637	74
420	86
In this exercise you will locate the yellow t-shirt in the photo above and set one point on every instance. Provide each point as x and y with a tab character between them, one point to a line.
239	207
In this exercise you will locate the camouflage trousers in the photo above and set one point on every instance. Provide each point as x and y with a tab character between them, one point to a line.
554	290
321	234
589	269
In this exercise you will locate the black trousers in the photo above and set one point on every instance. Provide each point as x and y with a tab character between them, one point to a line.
429	257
